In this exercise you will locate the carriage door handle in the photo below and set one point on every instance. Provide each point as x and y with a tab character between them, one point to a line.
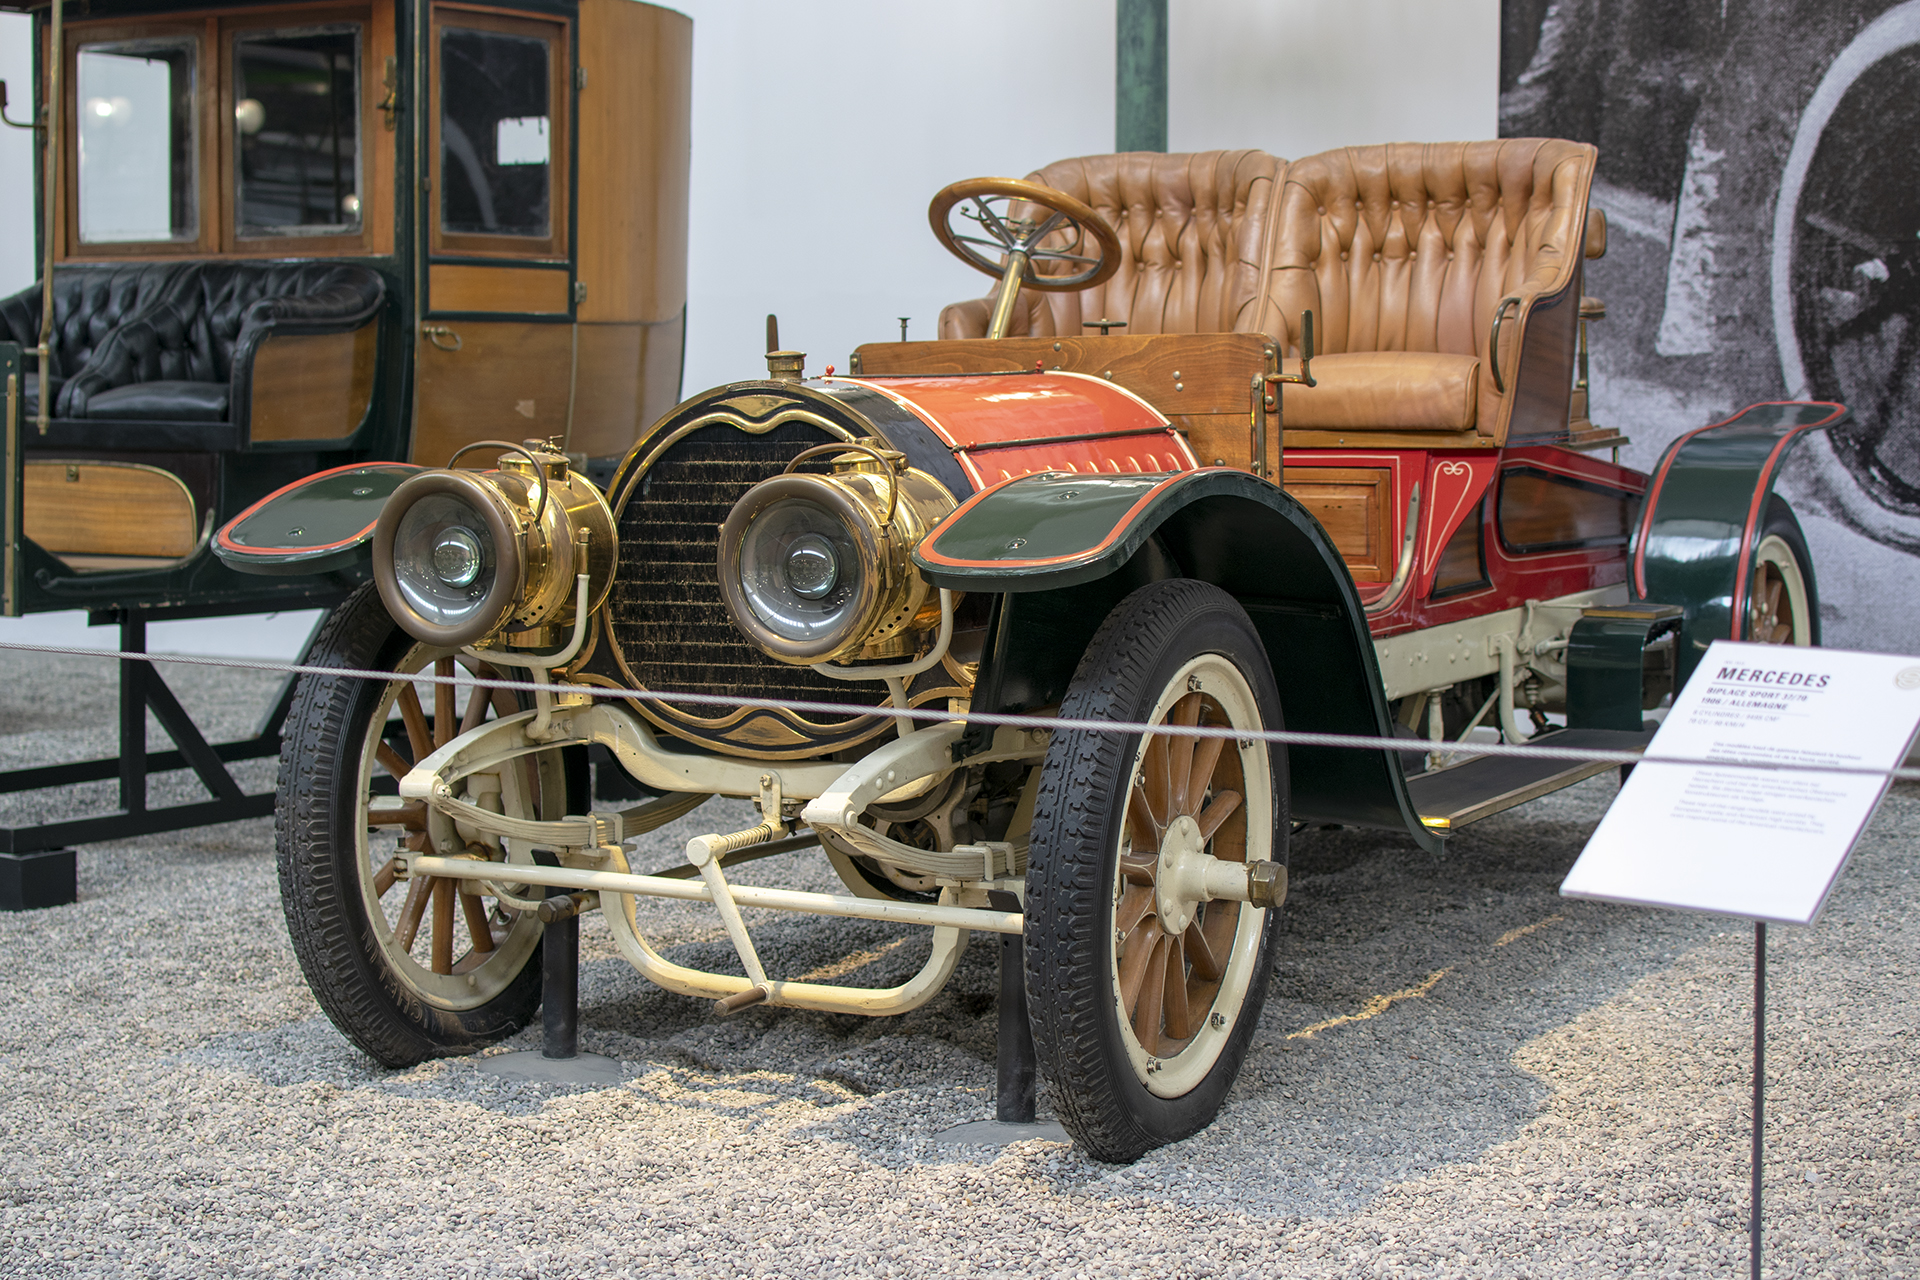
436	332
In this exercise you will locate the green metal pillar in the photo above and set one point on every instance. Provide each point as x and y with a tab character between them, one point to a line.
1140	75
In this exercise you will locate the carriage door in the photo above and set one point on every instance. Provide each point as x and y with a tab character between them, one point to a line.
495	347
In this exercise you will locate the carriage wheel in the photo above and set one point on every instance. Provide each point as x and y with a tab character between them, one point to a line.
406	969
1144	998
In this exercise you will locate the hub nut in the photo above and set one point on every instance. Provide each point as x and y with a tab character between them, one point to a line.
1266	884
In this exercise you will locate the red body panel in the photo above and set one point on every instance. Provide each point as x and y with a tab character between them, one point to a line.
1003	427
1451	484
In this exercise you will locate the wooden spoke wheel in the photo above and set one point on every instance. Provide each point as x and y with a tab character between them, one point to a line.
1144	993
1782	605
407	969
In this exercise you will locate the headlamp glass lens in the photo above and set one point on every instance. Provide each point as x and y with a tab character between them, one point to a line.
800	570
812	566
456	557
443	559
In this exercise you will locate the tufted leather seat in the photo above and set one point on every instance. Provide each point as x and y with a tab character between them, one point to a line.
89	304
189	356
1193	232
1404	253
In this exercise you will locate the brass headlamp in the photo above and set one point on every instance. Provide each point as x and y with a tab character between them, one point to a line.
472	557
818	568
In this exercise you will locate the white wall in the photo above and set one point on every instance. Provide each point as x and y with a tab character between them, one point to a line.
16	156
1298	76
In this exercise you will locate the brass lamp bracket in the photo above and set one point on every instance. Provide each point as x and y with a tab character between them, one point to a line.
1263	403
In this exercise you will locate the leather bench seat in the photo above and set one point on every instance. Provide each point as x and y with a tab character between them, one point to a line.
1387	391
169	348
162	401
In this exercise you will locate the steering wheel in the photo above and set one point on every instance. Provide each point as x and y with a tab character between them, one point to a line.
1056	231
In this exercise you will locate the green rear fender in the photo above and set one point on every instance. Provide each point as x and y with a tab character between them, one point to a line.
1059	551
1699	522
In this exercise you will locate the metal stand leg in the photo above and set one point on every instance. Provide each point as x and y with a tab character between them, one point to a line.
1014	1105
559	1060
1759	1084
560	989
1019	1086
30	881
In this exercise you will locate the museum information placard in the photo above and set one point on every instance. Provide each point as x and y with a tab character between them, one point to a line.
1766	844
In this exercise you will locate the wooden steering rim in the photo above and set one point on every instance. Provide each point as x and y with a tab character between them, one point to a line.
1075	214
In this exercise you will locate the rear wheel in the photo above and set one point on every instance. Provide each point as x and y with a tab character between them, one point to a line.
1143	995
406	969
1783	606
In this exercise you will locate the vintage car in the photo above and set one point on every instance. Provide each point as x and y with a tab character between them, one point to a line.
281	239
1237	444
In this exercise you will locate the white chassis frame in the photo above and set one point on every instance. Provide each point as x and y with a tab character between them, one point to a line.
1514	644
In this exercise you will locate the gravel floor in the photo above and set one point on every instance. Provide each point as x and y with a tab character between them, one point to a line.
1459	1073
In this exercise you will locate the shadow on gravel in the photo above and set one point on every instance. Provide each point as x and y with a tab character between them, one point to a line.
1404	985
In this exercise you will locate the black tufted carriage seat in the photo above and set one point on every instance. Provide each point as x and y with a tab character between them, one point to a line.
165	351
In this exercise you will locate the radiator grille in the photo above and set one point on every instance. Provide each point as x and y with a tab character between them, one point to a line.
669	623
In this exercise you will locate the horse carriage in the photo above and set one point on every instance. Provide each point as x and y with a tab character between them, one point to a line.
1236	444
284	239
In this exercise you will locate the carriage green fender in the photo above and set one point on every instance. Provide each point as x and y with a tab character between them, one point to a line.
1700	521
1060	549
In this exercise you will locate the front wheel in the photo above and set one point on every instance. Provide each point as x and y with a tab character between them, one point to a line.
1143	995
406	969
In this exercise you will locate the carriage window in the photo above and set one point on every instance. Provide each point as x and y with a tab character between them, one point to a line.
296	130
1541	511
136	171
495	133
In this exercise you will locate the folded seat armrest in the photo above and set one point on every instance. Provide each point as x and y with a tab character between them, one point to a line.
349	299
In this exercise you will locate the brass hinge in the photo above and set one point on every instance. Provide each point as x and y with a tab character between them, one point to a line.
580	77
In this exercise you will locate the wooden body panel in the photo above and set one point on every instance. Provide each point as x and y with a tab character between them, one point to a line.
510	290
1354	505
87	508
635	148
508	381
313	386
629	378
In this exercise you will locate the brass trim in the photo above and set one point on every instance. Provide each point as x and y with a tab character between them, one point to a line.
667	716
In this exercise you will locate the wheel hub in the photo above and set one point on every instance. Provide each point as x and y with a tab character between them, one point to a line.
1180	876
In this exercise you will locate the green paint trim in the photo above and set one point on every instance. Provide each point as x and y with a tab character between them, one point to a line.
1140	75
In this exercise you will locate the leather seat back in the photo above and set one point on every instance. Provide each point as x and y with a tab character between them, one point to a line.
1412	247
1194	239
89	303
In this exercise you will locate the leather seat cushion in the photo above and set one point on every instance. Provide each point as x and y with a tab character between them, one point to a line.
1386	391
162	402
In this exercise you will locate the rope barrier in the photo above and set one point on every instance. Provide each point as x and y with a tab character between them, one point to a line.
1283	737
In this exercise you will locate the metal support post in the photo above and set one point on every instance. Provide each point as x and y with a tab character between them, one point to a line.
133	714
560	989
1759	1086
1019	1089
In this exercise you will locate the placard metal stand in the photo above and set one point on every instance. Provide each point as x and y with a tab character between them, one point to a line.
1759	1086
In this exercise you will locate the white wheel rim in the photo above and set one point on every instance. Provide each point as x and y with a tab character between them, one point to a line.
1774	553
1171	1075
473	982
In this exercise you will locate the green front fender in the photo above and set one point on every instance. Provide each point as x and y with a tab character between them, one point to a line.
1059	551
1699	523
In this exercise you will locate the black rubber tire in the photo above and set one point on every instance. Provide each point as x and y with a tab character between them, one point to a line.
320	889
1782	523
1096	1092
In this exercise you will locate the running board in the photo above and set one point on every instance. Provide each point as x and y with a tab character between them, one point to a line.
1448	799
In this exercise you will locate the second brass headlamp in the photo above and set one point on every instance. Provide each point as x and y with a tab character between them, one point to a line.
818	568
471	557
